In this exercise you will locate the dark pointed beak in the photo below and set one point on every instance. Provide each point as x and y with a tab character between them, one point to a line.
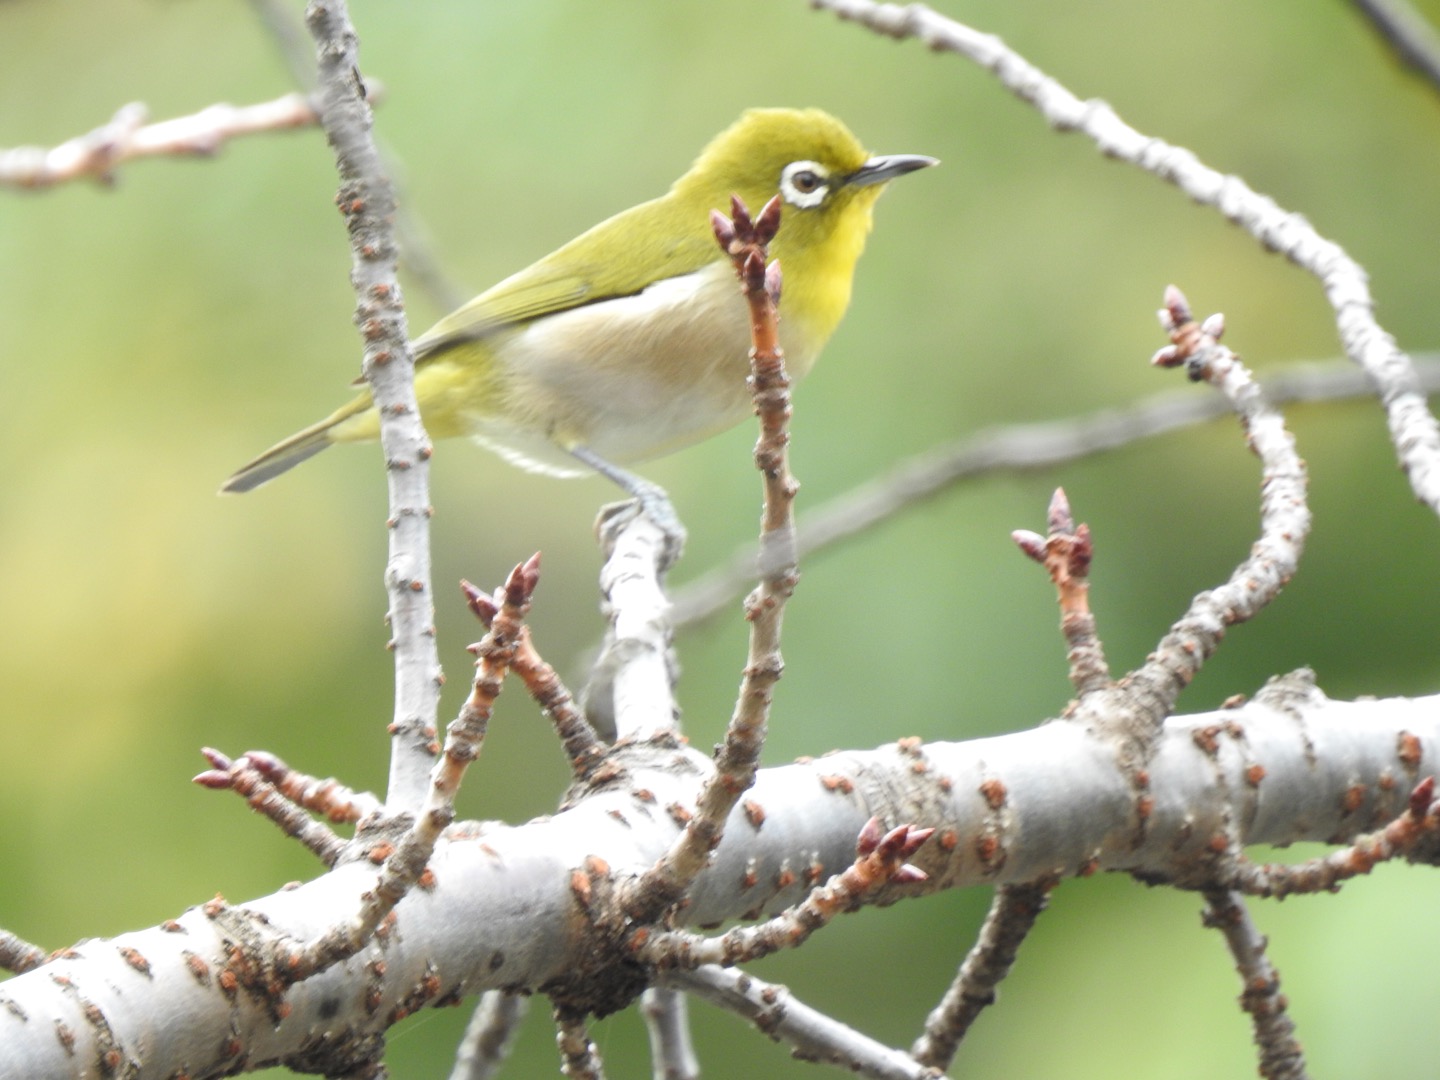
888	166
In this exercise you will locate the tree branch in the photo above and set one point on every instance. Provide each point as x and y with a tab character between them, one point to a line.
1413	40
1019	448
1288	766
1413	429
368	204
127	137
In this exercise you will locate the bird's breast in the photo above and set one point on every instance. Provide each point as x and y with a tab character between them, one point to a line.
630	378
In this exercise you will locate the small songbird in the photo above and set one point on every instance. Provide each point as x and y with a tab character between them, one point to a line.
631	340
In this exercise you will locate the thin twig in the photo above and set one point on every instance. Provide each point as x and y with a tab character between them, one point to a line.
1405	30
127	137
745	241
405	861
329	797
667	1019
1414	431
1151	691
368	203
1065	551
881	859
811	1034
1280	1055
580	1056
486	1042
1019	448
583	747
18	955
242	777
1013	912
1414	834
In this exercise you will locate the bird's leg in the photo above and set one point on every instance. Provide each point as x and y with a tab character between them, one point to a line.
649	498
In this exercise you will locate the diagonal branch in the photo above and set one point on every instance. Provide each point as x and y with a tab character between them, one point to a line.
1020	448
1413	428
367	201
1407	33
1013	912
811	1034
486	1043
1152	690
127	137
1280	1055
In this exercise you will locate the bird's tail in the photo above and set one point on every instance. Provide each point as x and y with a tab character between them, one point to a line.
285	455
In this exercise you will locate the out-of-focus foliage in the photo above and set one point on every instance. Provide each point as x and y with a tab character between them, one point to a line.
155	336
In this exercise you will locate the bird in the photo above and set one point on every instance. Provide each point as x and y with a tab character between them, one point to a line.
631	341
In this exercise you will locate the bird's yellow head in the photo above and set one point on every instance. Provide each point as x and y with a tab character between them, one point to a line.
829	184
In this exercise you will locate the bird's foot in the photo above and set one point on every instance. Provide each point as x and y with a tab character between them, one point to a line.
647	499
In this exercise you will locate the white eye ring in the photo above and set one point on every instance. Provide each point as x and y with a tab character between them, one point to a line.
805	184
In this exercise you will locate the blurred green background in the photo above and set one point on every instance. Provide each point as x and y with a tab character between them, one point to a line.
157	335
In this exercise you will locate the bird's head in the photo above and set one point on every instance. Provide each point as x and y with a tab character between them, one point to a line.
825	177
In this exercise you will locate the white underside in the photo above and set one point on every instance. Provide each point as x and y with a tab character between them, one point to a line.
629	379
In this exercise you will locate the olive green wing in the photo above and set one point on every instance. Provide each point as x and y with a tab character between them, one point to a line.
618	257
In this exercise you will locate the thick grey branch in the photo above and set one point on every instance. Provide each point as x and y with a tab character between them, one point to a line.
500	912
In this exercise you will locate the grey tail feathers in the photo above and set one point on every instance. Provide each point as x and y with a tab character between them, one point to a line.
281	457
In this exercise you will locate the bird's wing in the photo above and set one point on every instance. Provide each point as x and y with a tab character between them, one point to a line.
656	245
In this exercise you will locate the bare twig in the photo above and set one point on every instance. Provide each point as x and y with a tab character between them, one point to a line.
1013	912
1019	448
328	797
127	137
368	204
881	859
581	743
811	1034
1280	1055
405	861
580	1056
1151	690
1414	832
745	241
667	1019
17	954
1405	30
1413	429
242	777
1065	551
488	1036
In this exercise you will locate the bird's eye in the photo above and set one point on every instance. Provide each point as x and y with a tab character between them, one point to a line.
805	184
805	181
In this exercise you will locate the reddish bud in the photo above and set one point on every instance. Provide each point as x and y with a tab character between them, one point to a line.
1176	306
773	282
740	213
870	836
753	271
266	764
723	228
1058	517
1421	797
481	604
909	875
1032	544
215	757
768	223
1214	326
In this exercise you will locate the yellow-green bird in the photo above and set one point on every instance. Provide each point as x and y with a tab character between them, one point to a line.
632	340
